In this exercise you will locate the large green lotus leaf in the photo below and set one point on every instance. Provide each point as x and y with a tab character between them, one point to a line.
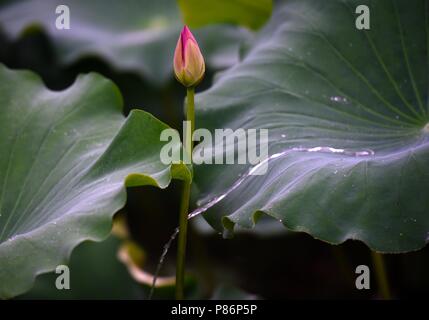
132	35
95	273
250	13
65	160
314	80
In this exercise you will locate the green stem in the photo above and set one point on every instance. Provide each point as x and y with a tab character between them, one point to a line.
184	204
381	275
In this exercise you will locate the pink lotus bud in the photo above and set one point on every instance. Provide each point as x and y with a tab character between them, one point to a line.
189	64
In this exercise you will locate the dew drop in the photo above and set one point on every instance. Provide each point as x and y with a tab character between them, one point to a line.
338	99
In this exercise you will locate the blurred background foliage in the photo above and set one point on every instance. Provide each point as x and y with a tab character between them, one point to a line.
132	43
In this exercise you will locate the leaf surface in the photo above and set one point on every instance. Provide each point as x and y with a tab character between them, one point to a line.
65	160
336	93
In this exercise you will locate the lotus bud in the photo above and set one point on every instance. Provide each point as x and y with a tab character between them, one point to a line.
189	64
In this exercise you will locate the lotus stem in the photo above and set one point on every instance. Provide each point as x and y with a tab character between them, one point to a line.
184	205
381	275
